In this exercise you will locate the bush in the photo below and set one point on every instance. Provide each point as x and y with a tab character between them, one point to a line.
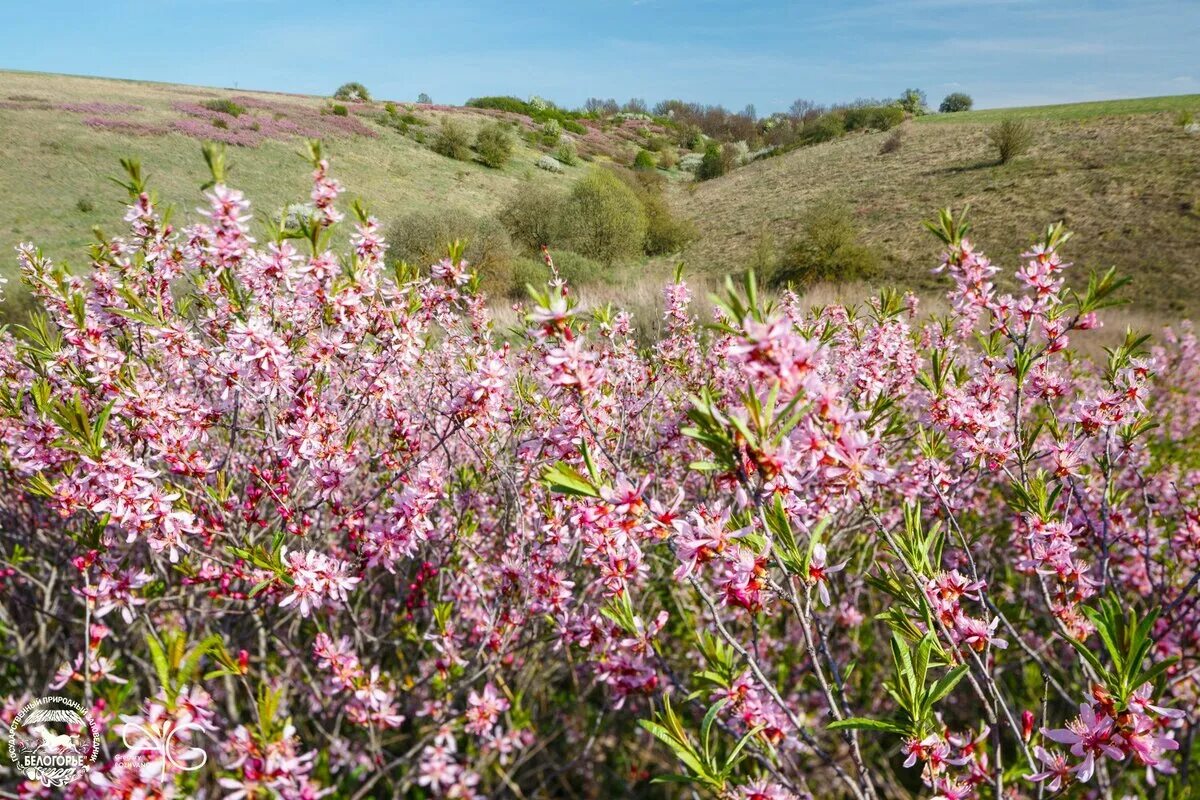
533	217
913	102
548	163
605	218
1010	137
551	132
452	140
339	110
85	205
824	128
644	160
494	143
878	118
718	159
955	102
352	92
422	237
827	249
667	159
665	233
567	153
223	106
424	99
892	143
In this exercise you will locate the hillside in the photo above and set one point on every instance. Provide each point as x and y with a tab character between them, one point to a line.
62	138
1124	175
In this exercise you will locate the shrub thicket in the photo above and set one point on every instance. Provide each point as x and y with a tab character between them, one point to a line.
422	238
533	217
1010	137
224	106
828	248
494	143
539	112
644	160
567	153
913	102
878	118
606	219
718	159
453	141
352	92
956	101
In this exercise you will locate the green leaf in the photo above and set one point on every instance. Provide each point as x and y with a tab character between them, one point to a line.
565	479
865	724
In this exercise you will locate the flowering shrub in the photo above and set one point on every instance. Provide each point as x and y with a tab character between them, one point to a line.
313	515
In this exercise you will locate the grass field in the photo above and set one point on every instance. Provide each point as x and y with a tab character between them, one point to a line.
1065	111
56	168
1128	184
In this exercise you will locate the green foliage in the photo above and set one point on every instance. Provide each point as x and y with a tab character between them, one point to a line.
915	698
424	99
224	106
607	220
824	128
718	159
913	102
85	205
707	763
567	153
828	248
352	92
644	160
1010	138
421	237
452	140
533	217
539	112
494	143
877	118
339	110
955	102
1127	641
551	132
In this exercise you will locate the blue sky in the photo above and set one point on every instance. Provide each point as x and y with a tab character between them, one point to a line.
1002	52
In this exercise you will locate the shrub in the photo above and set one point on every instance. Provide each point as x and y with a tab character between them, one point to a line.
85	205
533	217
548	163
424	99
339	110
665	232
644	160
691	162
913	102
879	118
824	128
1184	118
220	123
452	140
327	513
826	249
422	237
892	143
718	159
567	153
352	92
955	102
494	143
605	218
1010	137
551	132
668	158
223	106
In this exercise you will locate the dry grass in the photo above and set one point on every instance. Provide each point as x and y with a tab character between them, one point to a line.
1129	187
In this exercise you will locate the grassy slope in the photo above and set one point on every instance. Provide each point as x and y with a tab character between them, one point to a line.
52	161
1128	184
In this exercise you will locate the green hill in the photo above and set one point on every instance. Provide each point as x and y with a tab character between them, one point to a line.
1124	175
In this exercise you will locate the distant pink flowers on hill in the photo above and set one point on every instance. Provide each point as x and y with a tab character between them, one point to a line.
315	511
